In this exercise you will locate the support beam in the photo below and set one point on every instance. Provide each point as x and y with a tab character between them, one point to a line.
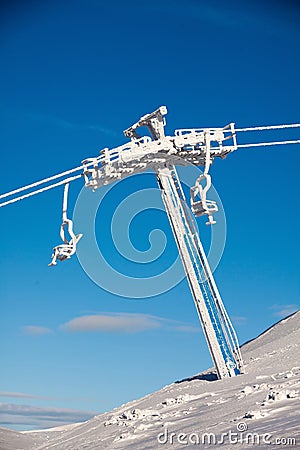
219	333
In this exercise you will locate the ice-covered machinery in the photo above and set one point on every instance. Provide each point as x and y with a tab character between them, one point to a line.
162	153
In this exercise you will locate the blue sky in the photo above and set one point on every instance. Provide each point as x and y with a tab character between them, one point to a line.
74	75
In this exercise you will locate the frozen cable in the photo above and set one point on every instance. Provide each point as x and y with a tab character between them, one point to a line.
263	144
39	191
269	127
46	180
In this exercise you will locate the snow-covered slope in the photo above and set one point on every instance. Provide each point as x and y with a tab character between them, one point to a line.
261	406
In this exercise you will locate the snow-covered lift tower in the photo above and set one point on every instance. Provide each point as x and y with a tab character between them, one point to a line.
218	330
162	153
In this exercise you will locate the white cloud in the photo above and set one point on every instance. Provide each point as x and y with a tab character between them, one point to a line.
115	323
18	395
239	320
124	323
27	417
35	330
120	322
284	310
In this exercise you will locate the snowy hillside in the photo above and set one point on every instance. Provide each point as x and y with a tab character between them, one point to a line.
262	407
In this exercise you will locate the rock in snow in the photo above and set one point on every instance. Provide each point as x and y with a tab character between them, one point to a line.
259	409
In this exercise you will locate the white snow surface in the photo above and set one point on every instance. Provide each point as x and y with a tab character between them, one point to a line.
264	401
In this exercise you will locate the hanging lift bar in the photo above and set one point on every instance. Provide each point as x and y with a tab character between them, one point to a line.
68	248
204	206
